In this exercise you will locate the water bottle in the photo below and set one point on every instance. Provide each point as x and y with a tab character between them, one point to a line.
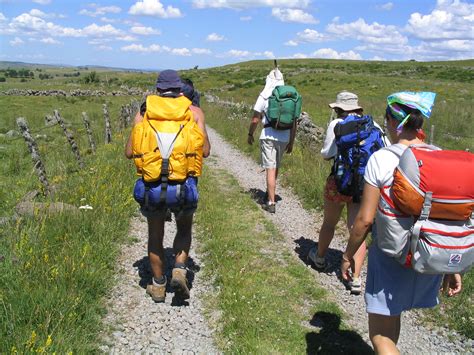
339	168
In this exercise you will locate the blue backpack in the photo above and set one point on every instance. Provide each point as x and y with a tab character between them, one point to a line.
357	138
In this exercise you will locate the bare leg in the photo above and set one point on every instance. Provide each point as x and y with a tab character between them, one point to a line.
271	183
182	240
156	254
359	256
384	332
332	214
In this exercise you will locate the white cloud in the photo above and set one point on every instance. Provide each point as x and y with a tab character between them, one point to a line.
299	56
371	33
245	4
309	36
154	8
241	54
245	18
214	37
126	38
100	10
385	7
238	53
451	19
329	53
144	31
268	54
201	51
103	48
107	19
95	30
42	2
161	49
37	13
32	24
184	52
49	40
17	41
2	17
293	15
291	43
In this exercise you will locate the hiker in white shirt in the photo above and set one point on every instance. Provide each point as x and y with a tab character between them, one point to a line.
273	142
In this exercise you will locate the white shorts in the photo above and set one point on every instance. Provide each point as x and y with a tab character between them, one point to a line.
272	151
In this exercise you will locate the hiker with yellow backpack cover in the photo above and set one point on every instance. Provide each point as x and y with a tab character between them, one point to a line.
168	144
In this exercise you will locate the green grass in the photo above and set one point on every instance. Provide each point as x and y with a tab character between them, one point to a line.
56	269
266	298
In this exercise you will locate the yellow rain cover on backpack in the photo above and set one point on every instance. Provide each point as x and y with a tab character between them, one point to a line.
168	141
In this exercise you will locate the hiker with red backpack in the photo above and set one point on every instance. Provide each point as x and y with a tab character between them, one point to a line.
278	107
342	143
422	200
167	143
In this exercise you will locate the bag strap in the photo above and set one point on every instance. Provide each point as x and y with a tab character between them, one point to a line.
395	149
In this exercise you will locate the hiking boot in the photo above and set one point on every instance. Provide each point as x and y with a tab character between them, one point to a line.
157	292
179	283
355	286
319	262
269	207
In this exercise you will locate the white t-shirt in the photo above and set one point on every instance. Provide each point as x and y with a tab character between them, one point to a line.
329	149
380	167
269	133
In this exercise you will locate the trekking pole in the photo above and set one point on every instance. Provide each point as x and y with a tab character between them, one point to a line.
432	134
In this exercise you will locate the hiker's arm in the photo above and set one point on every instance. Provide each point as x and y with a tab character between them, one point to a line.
201	122
452	284
329	149
289	147
363	221
256	118
128	146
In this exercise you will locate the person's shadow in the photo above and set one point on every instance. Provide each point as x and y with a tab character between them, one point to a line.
144	271
260	196
330	339
333	256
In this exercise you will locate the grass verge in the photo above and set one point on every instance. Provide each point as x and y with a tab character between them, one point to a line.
56	269
268	301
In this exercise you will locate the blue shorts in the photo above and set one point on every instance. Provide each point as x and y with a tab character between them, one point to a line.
392	288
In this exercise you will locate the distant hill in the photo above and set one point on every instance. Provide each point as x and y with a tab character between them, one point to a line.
16	65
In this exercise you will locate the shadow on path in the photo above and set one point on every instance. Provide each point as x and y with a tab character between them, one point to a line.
260	196
332	340
144	271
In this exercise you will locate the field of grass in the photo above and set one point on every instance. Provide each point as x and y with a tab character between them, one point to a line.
56	269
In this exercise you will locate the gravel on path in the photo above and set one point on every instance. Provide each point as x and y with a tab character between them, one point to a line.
137	323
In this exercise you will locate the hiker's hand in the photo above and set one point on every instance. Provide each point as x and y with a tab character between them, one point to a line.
346	264
452	284
250	139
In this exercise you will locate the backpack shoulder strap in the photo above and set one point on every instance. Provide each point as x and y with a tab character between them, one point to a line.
396	149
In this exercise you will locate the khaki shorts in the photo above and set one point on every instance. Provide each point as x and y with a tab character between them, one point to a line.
272	151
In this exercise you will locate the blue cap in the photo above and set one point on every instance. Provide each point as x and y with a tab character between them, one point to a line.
168	79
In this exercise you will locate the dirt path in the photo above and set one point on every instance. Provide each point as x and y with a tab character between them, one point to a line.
141	326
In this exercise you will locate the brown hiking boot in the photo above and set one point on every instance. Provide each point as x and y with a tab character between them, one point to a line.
157	292
179	283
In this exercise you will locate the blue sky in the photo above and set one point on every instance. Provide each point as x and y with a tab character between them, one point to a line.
151	34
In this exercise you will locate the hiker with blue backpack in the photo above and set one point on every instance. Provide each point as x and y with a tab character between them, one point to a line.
278	107
422	200
167	143
350	140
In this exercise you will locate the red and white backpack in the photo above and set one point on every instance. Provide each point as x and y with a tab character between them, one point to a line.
425	219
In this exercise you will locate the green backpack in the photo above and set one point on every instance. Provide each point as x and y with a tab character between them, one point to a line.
284	107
